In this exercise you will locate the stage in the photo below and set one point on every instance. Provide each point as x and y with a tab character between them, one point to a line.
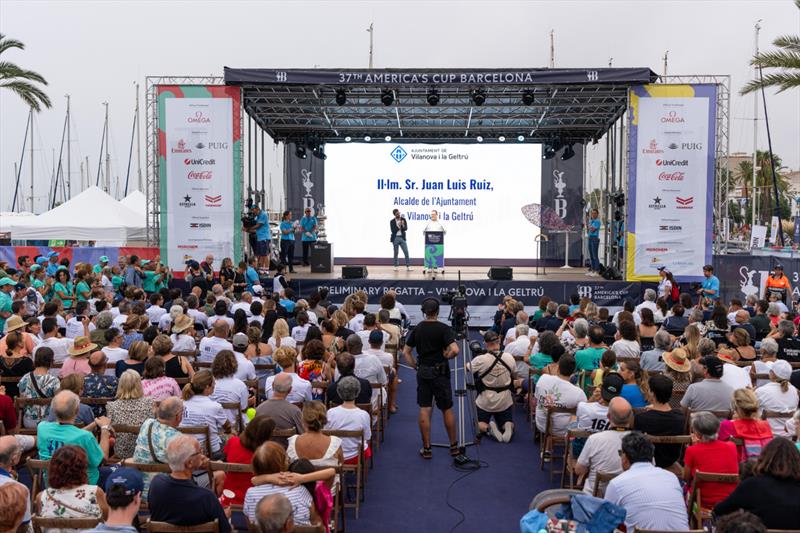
468	273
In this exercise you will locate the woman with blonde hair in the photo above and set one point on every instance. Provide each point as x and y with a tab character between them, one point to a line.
739	341
281	336
199	410
690	340
313	444
137	355
130	408
341	321
592	313
746	425
286	358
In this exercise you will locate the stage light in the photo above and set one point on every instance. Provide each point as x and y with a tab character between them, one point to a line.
388	138
433	96
619	199
300	151
341	96
502	139
568	153
348	139
548	152
367	138
387	97
478	97
521	138
319	152
527	97
479	139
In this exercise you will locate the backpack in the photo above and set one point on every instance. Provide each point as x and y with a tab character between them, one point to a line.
676	292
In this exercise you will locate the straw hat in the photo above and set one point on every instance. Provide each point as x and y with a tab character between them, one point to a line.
677	360
14	322
726	357
82	345
182	323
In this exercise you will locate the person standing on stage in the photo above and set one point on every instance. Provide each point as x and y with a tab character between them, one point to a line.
309	224
287	240
778	283
398	226
593	233
433	223
262	237
435	344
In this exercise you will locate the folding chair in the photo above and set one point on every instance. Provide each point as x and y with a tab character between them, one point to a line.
21	404
62	524
568	471
696	512
198	430
323	386
125	429
533	374
549	440
236	407
373	422
164	527
646	344
778	415
358	469
36	468
601	480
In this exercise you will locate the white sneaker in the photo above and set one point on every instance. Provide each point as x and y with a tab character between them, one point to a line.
408	268
589	273
495	432
397	268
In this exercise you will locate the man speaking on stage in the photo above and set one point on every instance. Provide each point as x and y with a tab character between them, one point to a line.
398	226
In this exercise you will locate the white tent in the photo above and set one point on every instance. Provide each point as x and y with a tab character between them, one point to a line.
92	215
9	219
136	202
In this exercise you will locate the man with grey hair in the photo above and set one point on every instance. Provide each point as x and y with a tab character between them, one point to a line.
176	499
367	365
52	435
349	417
511	335
769	354
653	359
285	414
10	453
274	514
155	433
549	321
102	322
122	313
601	451
649	301
741	319
521	348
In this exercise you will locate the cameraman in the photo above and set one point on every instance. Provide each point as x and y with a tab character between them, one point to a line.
709	288
435	344
495	376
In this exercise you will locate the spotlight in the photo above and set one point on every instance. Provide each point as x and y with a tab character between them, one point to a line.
433	96
568	153
387	97
548	152
341	96
367	138
521	138
300	151
502	139
387	138
557	144
479	139
319	152
348	139
619	199
527	97
478	97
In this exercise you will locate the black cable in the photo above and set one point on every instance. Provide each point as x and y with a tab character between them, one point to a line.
475	465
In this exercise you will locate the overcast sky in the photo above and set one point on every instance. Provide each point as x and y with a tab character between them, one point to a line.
95	51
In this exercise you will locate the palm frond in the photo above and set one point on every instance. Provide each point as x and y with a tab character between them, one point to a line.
30	94
788	42
781	80
10	70
6	44
777	59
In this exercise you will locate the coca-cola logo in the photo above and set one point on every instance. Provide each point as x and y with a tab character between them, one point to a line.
671	176
199	175
180	148
672	163
672	118
652	148
189	161
198	118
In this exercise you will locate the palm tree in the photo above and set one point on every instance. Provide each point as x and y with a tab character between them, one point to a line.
22	81
786	60
766	197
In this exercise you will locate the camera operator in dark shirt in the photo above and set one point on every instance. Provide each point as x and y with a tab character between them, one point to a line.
435	343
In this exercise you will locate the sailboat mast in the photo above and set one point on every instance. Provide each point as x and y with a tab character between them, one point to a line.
69	149
31	111
108	158
138	144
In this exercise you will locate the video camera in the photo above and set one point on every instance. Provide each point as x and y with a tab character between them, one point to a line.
248	220
457	300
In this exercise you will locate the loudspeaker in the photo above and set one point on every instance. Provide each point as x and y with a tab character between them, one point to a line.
500	273
322	257
354	272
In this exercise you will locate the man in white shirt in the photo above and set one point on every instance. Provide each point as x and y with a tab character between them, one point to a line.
557	391
53	341
356	323
368	366
735	376
199	317
769	354
211	346
124	308
601	451
244	304
511	334
76	326
370	325
245	369
779	396
220	314
113	348
652	496
649	302
522	346
51	311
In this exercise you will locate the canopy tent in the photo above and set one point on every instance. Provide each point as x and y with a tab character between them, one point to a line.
92	215
136	202
9	219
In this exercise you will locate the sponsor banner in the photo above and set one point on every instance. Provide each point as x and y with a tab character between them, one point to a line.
482	295
743	275
758	236
304	185
671	177
77	254
562	190
426	78
200	173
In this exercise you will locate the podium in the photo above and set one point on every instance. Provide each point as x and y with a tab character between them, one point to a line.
434	251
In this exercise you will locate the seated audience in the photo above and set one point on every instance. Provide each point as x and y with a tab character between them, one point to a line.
601	451
123	497
286	358
346	366
589	357
739	344
68	493
654	359
710	394
199	410
155	433
78	360
313	444
38	384
156	385
240	449
274	514
746	425
74	383
710	455
349	417
592	415
12	507
661	419
285	414
778	395
627	343
635	389
227	387
557	391
732	374
10	454
130	408
138	352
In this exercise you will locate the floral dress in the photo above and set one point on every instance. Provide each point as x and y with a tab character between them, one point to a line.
48	384
77	502
313	370
128	412
99	386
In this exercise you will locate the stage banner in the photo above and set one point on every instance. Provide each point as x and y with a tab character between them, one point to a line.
304	185
670	180
200	173
743	275
562	191
483	296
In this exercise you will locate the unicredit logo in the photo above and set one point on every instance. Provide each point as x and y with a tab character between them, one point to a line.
189	161
198	118
672	163
199	175
672	118
671	176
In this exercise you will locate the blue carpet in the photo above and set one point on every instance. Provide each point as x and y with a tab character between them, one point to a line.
404	490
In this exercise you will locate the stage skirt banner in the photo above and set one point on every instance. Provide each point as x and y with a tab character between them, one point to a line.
562	191
199	164
482	296
671	180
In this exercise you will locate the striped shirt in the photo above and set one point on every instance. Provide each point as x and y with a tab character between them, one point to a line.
202	411
299	497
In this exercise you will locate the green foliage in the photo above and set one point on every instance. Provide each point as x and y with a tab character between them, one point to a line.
21	81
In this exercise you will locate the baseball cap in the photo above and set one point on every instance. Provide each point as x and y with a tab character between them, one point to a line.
782	369
491	336
52	254
192	263
103	259
240	340
129	478
7	281
36	267
714	365
258	289
612	386
41	260
778	267
376	337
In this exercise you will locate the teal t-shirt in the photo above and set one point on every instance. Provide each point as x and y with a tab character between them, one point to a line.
83	287
539	361
116	282
150	281
589	358
97	268
51	436
287	225
65	289
5	307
